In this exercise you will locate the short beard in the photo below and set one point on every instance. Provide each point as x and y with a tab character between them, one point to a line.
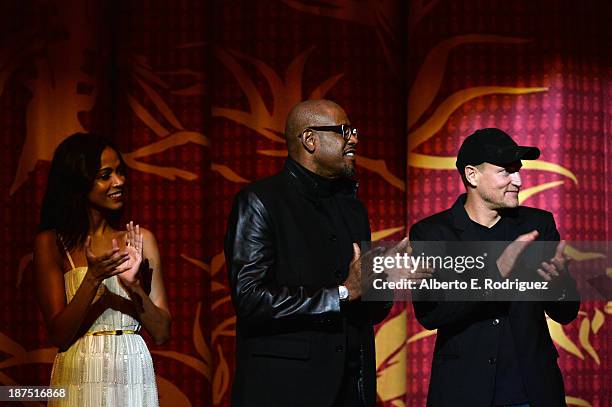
498	205
348	171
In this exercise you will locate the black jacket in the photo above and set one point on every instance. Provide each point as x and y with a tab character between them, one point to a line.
464	361
283	271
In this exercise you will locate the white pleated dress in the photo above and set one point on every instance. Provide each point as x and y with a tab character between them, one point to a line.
105	370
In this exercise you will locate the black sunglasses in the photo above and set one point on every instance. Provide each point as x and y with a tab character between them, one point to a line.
345	130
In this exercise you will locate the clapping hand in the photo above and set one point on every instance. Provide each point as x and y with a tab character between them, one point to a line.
407	271
108	263
134	245
510	255
354	282
557	266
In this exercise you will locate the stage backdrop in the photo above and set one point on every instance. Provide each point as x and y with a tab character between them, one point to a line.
195	94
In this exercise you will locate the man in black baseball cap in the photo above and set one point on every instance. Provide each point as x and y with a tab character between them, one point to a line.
503	350
489	158
493	146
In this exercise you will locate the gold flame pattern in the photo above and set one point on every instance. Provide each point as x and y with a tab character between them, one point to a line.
172	132
575	401
587	327
391	356
426	87
218	375
48	123
383	16
286	93
216	371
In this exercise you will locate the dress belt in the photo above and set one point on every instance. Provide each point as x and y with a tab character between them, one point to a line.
113	332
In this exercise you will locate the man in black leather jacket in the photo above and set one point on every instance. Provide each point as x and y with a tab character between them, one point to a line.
303	336
496	353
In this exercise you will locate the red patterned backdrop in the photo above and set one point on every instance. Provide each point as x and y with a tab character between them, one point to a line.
195	94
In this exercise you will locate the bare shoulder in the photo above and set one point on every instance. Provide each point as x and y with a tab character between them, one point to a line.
46	236
46	249
46	240
147	235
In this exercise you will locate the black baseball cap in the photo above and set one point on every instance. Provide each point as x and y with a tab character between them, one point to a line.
492	146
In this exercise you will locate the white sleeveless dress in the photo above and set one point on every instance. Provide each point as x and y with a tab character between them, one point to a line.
105	370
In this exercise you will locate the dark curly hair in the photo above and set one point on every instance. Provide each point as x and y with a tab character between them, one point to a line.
74	167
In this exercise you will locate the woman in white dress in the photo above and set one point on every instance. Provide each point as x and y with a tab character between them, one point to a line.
97	284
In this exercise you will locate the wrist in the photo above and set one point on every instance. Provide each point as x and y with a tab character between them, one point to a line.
131	285
91	280
343	293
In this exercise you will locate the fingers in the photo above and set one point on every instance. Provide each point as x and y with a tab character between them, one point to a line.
115	260
122	268
109	263
408	247
528	237
402	247
107	256
559	264
544	275
130	233
422	273
560	249
134	237
548	271
356	252
114	256
139	239
88	251
560	252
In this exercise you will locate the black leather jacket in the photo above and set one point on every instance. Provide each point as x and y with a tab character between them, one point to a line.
284	271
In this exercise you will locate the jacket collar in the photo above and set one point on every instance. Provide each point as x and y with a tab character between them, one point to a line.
316	186
461	220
